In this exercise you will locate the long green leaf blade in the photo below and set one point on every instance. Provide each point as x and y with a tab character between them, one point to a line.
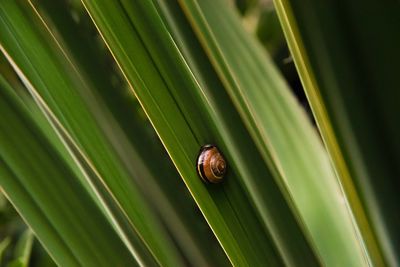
38	182
22	252
24	44
344	52
213	102
161	182
161	108
281	131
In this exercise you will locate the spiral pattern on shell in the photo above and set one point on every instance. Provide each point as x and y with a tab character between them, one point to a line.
211	165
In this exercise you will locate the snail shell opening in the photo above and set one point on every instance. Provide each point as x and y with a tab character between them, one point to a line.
211	165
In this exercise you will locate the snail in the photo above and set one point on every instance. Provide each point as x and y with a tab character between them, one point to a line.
211	165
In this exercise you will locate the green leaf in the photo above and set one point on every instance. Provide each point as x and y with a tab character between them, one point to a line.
253	173
195	238
192	117
3	246
345	54
160	181
243	245
23	250
283	135
53	201
201	79
75	111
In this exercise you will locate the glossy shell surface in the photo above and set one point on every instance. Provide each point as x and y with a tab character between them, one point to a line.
211	164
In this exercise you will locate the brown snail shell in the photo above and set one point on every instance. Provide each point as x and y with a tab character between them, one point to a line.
211	165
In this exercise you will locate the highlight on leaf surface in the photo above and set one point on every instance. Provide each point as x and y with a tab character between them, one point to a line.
106	105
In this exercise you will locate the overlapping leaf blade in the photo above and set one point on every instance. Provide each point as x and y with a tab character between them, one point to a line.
182	78
281	131
178	138
23	250
28	162
346	54
153	171
206	84
62	91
